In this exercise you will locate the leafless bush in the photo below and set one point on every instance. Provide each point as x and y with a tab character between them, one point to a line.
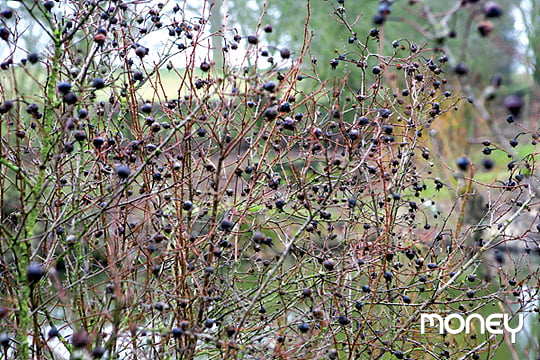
256	210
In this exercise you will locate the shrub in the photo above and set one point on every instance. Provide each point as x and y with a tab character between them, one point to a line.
239	207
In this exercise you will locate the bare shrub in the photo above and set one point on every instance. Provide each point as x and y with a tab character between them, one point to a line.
157	205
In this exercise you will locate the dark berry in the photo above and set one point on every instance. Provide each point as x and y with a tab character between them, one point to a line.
141	51
258	237
303	327
463	163
68	147
329	264
268	28
498	257
5	340
6	107
98	352
82	113
270	86
201	132
488	164
253	39
492	10
188	205
271	113
79	135
48	5
6	13
32	58
177	332
34	272
53	332
343	320
226	225
100	38
64	87
379	19
285	53
123	171
513	104
461	69
98	83
205	66
70	98
137	75
485	28
146	108
285	107
80	339
98	142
